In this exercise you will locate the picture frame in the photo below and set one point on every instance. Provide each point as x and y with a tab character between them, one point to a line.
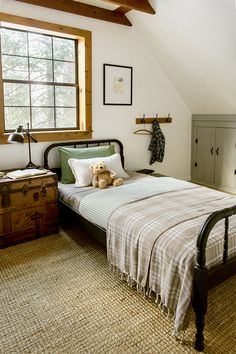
117	85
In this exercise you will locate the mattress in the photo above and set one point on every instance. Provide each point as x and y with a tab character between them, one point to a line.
72	196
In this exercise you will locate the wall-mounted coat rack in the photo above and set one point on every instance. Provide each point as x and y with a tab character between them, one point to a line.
145	120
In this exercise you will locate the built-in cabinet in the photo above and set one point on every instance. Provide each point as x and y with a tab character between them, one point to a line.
214	151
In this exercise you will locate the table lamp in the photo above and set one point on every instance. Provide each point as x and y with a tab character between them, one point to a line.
18	137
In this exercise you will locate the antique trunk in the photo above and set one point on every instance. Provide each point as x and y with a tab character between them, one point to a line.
28	208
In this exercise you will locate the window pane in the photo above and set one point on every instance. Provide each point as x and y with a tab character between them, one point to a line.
65	96
39	78
64	72
42	95
66	117
42	118
63	49
40	46
13	42
16	94
15	68
15	116
40	70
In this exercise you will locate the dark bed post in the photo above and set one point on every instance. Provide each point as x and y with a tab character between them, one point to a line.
200	283
200	291
200	278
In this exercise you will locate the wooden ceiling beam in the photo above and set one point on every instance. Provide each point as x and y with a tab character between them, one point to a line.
82	10
138	5
122	10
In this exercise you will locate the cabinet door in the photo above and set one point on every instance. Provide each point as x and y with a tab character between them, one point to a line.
203	169
225	162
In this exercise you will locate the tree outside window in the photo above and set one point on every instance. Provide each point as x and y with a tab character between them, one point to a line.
44	80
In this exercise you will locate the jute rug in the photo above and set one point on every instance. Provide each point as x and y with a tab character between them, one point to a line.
58	296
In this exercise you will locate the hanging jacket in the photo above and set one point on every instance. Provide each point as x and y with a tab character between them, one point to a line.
157	143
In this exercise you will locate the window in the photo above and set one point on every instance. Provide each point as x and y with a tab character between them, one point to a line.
45	79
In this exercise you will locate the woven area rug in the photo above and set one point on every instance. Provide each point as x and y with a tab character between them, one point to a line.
58	296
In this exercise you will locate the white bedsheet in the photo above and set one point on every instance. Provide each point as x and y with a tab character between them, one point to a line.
98	207
72	196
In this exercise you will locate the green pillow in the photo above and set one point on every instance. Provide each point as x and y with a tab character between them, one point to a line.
80	153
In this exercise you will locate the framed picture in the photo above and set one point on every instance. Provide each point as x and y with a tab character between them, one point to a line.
117	84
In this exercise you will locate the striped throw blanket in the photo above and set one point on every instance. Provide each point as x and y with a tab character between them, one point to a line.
98	206
153	242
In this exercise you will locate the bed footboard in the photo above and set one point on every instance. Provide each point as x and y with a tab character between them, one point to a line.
202	277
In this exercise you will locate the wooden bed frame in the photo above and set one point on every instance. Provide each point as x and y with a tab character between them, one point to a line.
203	279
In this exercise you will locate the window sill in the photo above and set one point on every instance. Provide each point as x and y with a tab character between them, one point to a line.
54	136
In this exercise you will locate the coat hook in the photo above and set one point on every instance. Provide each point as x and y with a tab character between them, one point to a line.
143	118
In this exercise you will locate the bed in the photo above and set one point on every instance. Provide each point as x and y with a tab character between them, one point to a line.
165	236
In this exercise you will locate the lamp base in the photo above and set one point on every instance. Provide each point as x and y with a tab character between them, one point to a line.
30	165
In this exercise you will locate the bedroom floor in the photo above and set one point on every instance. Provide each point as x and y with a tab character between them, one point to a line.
58	296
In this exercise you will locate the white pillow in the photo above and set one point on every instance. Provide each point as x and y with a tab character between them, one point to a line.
82	171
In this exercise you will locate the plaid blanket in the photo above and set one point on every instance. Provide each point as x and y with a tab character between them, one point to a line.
97	207
153	242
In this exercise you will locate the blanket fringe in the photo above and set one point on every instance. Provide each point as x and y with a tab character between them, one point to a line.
146	292
179	335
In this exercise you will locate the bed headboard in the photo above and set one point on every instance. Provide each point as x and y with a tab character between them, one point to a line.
83	144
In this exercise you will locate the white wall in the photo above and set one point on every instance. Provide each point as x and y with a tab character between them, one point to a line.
152	93
194	41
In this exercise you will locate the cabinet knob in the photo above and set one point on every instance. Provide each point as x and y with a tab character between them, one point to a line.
212	150
217	151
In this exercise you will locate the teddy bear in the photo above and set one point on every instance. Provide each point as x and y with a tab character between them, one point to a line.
102	178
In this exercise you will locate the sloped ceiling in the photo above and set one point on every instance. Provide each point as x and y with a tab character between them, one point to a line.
194	41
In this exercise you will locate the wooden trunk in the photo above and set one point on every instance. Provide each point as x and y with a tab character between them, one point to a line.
28	208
